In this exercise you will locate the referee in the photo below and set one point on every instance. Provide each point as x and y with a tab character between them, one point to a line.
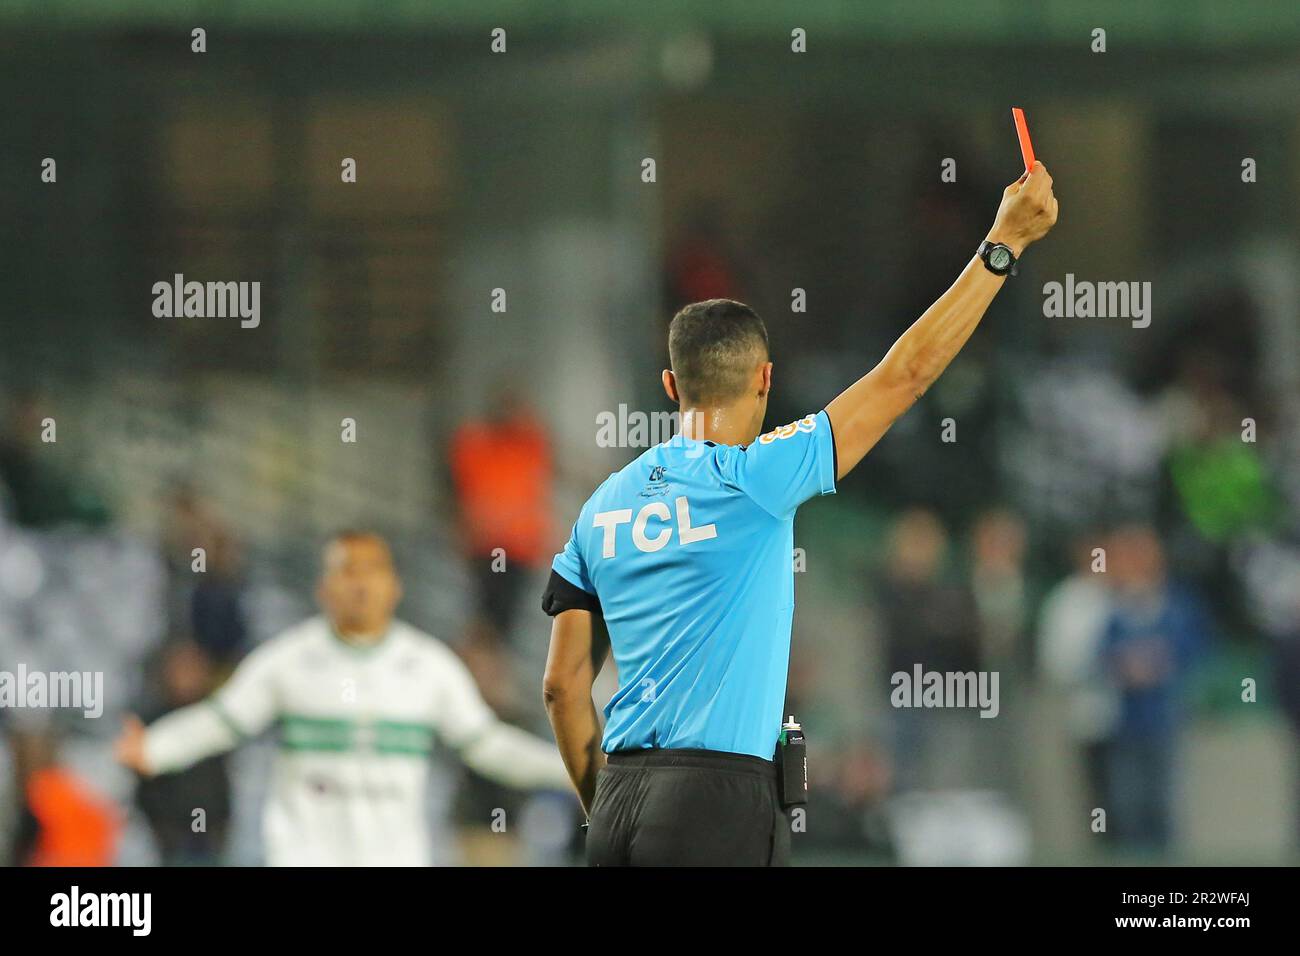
681	564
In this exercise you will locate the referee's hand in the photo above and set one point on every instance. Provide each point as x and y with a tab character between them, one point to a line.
1028	210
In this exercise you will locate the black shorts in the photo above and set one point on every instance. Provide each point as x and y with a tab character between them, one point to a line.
687	808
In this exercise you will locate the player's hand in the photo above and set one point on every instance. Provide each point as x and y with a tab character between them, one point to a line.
1028	210
129	748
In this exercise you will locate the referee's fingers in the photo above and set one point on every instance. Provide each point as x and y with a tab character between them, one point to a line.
1038	178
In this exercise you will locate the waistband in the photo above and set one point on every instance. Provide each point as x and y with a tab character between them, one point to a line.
699	759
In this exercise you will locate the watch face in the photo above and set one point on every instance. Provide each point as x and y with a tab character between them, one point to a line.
1000	257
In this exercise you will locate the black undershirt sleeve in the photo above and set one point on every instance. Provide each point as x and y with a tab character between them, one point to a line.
561	595
835	452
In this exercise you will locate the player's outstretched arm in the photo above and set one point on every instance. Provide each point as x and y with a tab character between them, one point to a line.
516	758
244	707
175	742
579	643
484	742
862	413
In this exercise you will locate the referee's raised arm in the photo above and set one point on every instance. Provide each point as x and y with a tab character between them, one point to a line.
863	412
680	566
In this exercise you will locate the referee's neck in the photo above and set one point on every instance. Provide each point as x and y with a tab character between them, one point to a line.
720	424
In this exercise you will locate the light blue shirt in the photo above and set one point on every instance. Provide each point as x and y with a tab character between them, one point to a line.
689	549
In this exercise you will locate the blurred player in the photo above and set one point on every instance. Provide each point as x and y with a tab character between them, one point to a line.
359	698
681	562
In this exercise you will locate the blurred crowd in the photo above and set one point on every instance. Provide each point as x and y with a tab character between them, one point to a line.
1122	624
1116	642
1146	574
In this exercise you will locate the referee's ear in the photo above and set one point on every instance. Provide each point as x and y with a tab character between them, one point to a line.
670	386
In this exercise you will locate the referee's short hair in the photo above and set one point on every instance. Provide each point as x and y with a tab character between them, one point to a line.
714	347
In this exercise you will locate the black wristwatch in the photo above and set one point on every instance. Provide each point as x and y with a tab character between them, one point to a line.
997	258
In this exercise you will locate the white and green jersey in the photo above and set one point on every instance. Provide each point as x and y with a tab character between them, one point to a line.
356	729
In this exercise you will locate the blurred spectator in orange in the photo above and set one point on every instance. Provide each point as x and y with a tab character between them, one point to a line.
64	821
1156	633
502	472
169	801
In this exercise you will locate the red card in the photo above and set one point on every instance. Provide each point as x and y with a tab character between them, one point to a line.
1022	131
